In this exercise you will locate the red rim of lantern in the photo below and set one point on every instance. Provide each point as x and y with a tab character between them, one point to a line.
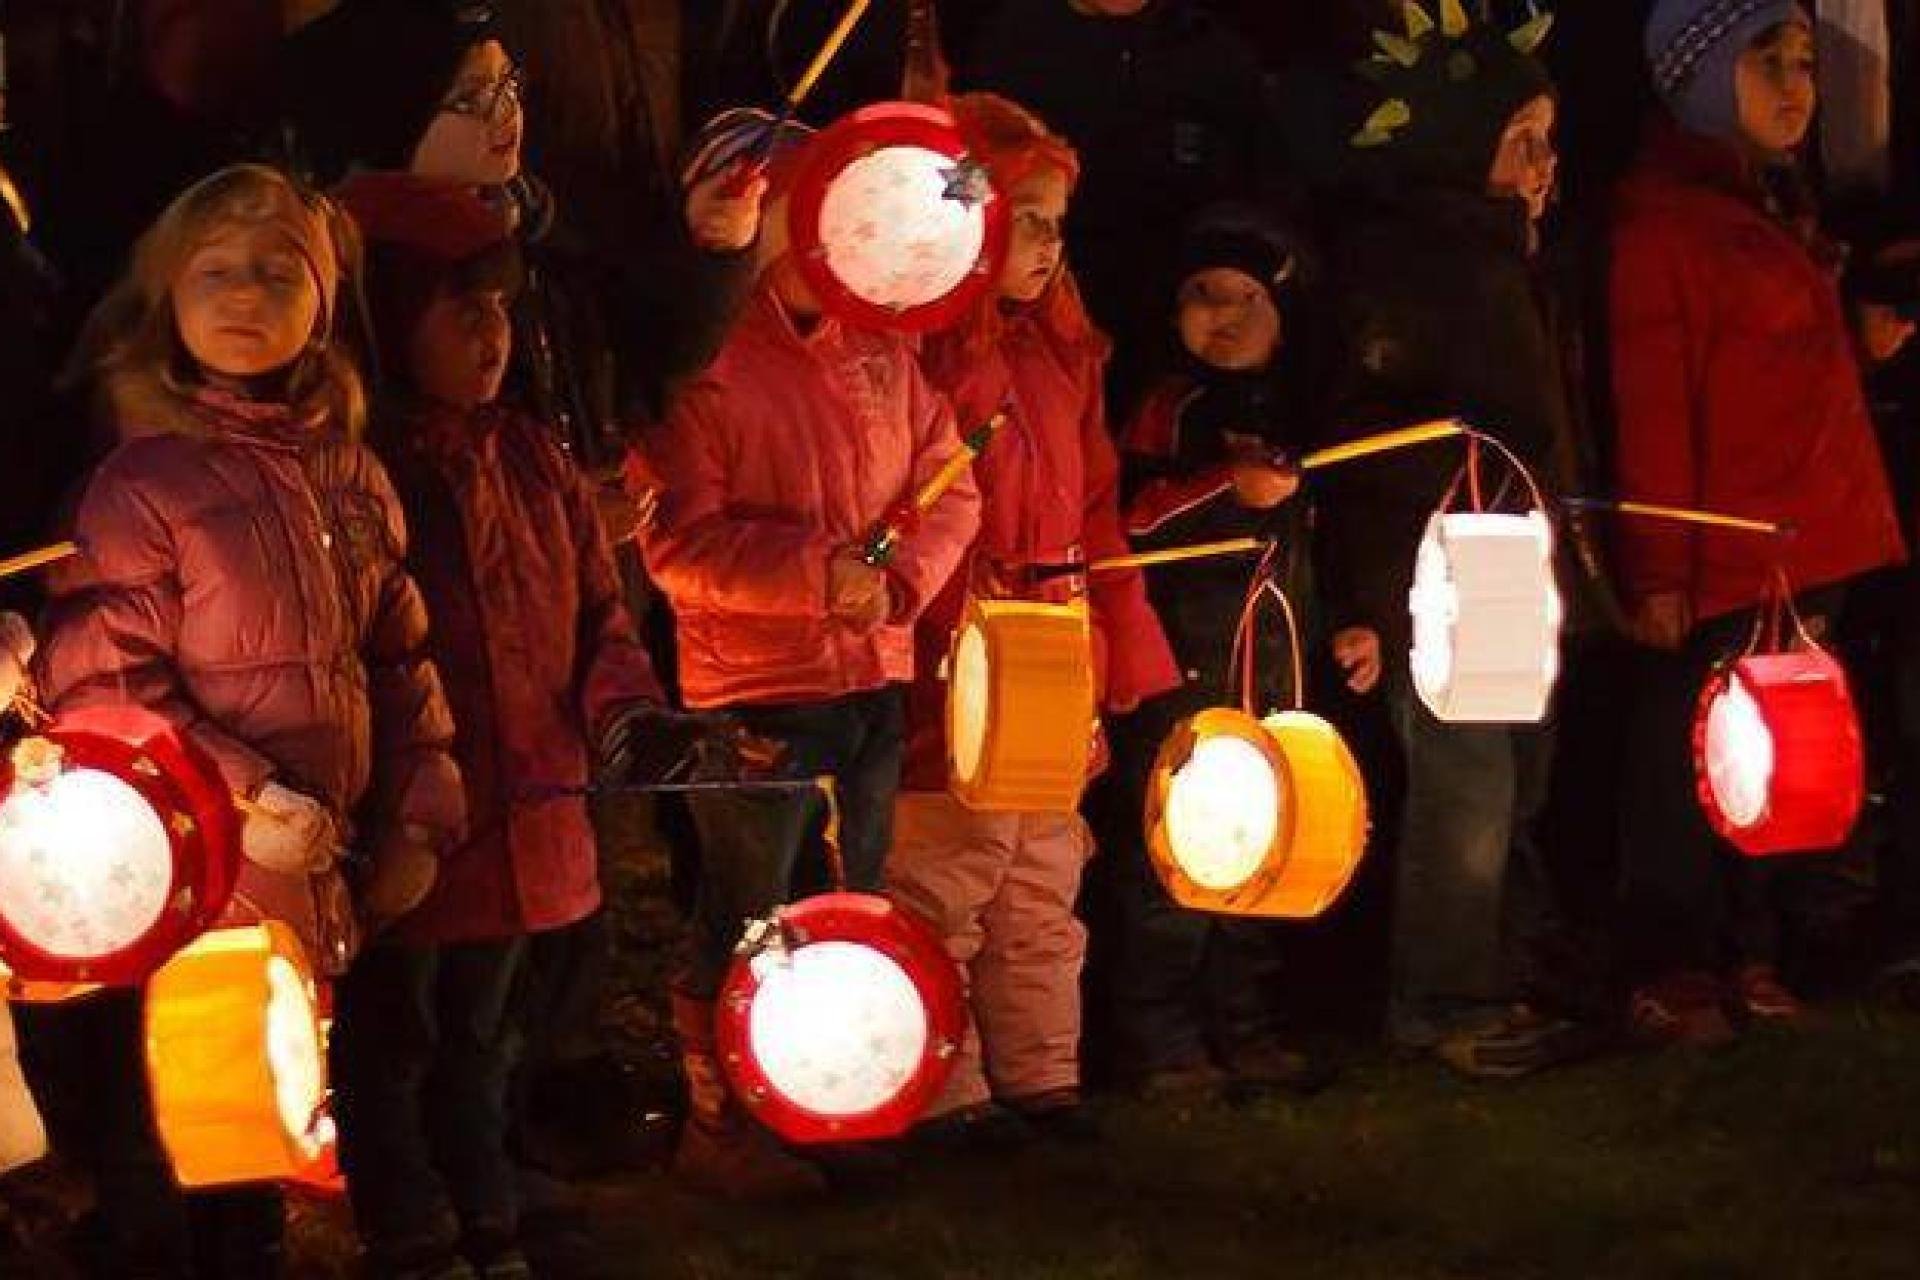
1818	785
184	787
897	933
886	124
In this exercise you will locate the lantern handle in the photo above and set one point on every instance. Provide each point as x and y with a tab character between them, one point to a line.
1243	655
1469	472
1776	608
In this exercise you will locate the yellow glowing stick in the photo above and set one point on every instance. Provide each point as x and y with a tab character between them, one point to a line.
1174	555
828	52
38	559
1386	441
1689	515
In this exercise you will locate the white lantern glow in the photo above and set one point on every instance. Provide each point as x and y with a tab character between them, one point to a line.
1486	617
837	1027
1739	754
1223	811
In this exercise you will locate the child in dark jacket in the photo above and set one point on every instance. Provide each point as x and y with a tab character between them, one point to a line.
541	665
1208	457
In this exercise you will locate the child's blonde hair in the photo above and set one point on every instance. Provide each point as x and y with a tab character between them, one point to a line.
131	347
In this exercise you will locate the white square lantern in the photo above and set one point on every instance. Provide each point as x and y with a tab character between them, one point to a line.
1486	618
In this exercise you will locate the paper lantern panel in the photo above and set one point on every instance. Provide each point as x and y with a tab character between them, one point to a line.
118	843
893	226
840	1019
1486	618
1020	706
1779	759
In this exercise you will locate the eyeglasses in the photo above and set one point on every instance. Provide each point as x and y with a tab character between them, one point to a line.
490	103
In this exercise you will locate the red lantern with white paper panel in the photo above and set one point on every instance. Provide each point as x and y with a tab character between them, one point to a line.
894	226
119	844
1779	760
840	1019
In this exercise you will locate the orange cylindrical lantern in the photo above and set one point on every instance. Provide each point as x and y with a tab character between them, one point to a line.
118	844
1778	755
1020	706
1254	818
840	1019
236	1059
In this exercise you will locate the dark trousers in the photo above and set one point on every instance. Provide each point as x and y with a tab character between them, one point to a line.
1185	985
423	1044
86	1063
1471	886
1690	901
750	844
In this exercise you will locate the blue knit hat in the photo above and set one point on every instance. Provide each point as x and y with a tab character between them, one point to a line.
1692	47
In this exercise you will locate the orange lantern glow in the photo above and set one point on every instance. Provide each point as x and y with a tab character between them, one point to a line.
1778	755
236	1059
840	1019
1020	706
1256	817
118	843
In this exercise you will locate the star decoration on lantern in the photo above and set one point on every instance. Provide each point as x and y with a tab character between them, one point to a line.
966	182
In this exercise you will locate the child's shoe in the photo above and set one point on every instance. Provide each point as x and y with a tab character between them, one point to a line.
1762	997
1681	1009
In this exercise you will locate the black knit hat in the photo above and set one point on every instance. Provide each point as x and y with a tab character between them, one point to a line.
1244	238
365	81
1450	86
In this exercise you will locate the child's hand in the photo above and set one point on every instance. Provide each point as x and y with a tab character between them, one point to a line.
16	651
1662	621
288	832
722	220
1261	486
405	868
857	592
1357	650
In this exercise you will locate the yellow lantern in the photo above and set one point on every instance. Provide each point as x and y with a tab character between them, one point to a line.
1257	817
1020	706
236	1059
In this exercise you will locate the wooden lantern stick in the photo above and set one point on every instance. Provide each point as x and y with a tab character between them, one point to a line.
885	538
28	561
755	163
1385	442
1679	515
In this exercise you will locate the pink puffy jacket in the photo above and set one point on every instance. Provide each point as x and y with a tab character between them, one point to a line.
537	654
786	449
245	582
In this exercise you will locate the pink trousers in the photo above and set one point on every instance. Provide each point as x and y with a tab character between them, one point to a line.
1000	889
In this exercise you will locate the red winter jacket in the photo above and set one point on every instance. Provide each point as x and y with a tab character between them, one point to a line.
242	576
786	449
1050	492
1736	388
537	653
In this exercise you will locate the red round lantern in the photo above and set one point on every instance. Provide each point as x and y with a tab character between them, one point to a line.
118	845
1778	758
840	1019
894	226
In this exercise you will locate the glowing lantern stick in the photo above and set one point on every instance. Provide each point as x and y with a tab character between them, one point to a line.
236	1059
841	1014
754	163
1257	817
905	518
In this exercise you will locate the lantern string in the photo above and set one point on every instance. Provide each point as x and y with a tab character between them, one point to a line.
1243	659
830	833
1775	610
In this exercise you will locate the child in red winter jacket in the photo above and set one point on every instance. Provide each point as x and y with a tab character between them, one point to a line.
1001	887
774	467
1736	388
541	664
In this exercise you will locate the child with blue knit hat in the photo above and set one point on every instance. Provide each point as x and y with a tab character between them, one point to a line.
1737	388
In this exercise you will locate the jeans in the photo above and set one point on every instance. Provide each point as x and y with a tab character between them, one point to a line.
424	1042
1186	984
1471	885
86	1063
750	844
1690	901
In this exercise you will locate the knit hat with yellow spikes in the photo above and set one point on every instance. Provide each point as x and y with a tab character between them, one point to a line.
1448	86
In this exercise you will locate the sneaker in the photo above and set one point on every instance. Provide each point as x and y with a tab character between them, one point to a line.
1526	1041
1681	1009
1059	1115
1760	996
1266	1066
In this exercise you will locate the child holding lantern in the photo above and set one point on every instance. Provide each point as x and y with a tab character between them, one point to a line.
1001	887
242	577
1210	455
1737	388
773	469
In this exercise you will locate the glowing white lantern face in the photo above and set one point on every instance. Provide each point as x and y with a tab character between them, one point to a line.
969	677
1223	811
86	866
1486	618
898	230
1739	755
294	1056
837	1027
